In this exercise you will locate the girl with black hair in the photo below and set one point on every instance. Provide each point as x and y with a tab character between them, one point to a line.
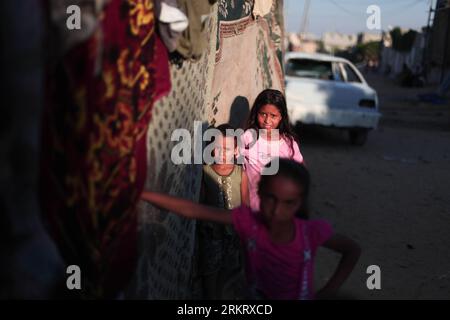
279	247
268	134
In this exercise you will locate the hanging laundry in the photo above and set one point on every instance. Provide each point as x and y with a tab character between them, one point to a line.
99	100
262	7
171	22
193	42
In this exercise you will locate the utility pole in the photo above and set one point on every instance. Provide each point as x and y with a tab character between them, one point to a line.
304	21
426	44
446	51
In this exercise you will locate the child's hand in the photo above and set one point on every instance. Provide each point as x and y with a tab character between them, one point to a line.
146	195
350	254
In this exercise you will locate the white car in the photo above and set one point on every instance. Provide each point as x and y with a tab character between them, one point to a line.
330	91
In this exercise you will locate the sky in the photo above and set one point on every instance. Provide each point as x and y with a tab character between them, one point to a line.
349	16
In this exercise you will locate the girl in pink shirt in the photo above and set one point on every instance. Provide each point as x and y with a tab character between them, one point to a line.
279	246
268	134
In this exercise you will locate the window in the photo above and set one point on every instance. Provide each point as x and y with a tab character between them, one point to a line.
350	74
337	71
308	68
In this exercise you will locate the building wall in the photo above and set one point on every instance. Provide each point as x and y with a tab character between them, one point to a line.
394	60
334	40
439	36
439	39
369	37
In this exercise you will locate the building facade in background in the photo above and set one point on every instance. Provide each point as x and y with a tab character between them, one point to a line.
438	52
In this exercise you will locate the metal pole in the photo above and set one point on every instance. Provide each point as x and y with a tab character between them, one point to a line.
304	21
427	33
444	63
427	37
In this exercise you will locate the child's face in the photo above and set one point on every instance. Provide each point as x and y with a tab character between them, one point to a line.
280	199
225	150
269	117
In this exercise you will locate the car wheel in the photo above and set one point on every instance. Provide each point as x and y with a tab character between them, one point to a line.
358	136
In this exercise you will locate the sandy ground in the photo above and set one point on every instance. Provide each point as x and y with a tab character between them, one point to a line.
392	195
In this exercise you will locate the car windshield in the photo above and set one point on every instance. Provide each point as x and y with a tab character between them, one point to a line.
308	68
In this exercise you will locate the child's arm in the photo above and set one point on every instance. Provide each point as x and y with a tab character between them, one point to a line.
350	251
245	198
187	208
297	154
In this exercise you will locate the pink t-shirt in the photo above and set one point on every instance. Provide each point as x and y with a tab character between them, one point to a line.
258	154
280	271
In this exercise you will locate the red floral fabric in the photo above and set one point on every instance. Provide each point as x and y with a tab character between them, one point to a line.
100	98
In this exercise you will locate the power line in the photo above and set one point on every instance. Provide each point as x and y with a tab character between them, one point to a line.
389	10
405	7
369	2
343	8
409	5
401	10
305	17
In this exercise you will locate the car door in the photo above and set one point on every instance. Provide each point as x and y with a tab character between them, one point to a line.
313	86
352	91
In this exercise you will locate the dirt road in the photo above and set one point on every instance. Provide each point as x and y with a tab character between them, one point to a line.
391	195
